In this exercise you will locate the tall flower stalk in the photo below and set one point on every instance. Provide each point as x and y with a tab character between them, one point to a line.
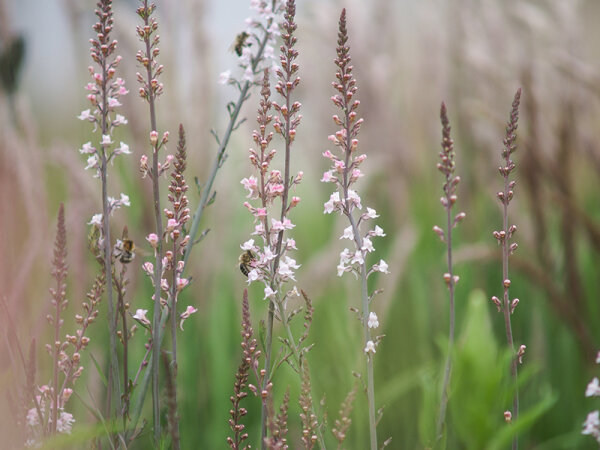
104	93
504	238
343	174
150	90
447	166
270	262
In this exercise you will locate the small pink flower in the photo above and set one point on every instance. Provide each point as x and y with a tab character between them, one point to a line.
171	225
373	321
182	283
85	115
148	267
593	388
153	137
328	177
140	316
370	347
106	140
164	284
348	233
96	220
152	238
188	312
507	416
122	149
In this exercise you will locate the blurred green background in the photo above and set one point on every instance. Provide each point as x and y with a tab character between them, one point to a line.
408	57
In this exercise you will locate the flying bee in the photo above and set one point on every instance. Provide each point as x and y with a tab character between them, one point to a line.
240	42
125	248
245	260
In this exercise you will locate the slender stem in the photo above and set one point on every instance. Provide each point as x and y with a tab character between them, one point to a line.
125	337
297	358
507	309
448	369
57	320
115	385
156	343
363	275
173	316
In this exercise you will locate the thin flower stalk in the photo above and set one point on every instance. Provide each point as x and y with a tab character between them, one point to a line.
262	32
504	238
59	302
104	93
48	415
446	167
343	174
271	264
250	356
150	90
278	424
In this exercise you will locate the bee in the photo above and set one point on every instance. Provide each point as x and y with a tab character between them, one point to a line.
240	42
246	259
125	248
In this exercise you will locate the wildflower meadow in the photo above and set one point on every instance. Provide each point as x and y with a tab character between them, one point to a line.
307	224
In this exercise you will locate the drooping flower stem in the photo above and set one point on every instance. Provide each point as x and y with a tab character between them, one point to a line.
446	166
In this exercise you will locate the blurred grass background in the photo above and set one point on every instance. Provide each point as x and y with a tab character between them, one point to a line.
408	57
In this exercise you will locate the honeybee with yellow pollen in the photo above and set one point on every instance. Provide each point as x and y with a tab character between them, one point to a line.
246	260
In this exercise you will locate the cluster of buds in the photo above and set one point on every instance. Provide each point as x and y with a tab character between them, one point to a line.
446	167
591	425
147	34
145	168
255	45
345	169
